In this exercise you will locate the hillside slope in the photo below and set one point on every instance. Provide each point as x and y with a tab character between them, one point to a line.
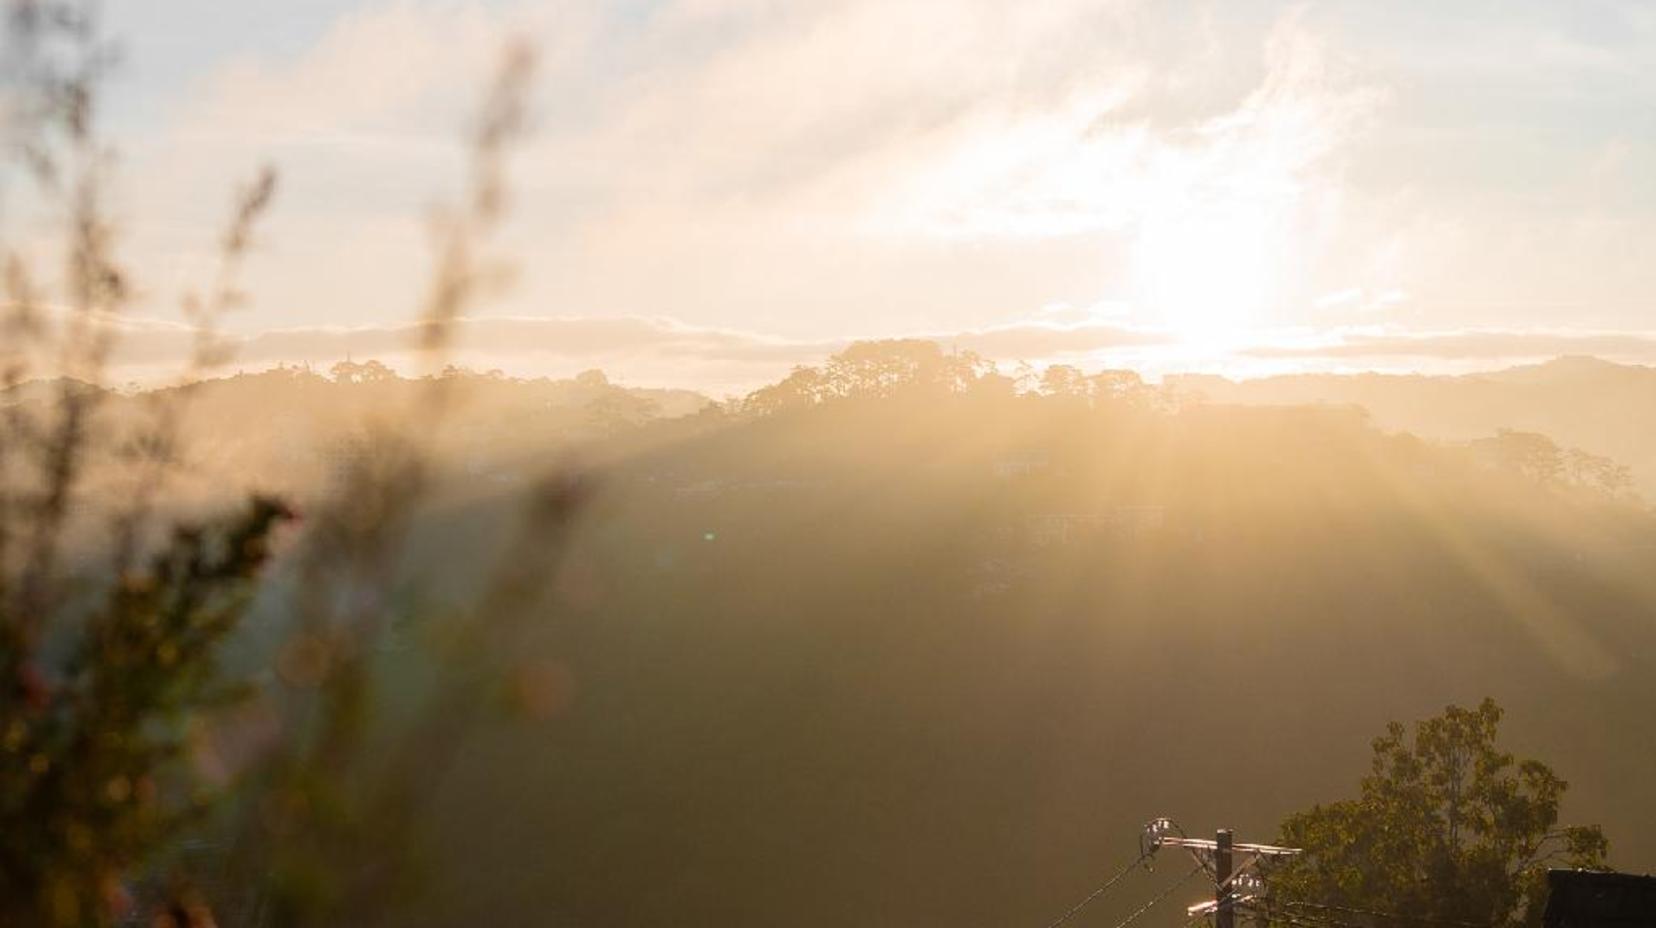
1604	408
886	663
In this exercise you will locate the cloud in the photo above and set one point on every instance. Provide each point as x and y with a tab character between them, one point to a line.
646	350
1475	346
931	164
666	352
1040	341
819	169
1356	299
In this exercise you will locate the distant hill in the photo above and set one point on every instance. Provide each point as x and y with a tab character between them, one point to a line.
1598	406
287	429
892	643
932	659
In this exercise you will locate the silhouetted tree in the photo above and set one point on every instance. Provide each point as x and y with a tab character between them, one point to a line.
1597	472
594	379
361	372
1065	381
1541	459
1120	386
804	386
615	409
884	369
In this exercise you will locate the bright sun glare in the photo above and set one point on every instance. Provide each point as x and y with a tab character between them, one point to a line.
1206	276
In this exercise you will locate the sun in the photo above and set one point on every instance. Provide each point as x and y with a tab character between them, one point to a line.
1206	276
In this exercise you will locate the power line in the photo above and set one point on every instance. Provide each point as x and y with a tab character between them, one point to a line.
1150	841
1417	919
1302	921
1076	909
1159	897
1313	920
1216	857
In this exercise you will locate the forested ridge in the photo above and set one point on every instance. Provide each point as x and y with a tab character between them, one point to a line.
905	635
932	648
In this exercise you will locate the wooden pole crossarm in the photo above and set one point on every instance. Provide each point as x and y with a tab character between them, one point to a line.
1225	860
1208	844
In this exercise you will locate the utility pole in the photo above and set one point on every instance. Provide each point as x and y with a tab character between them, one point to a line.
1232	881
1224	905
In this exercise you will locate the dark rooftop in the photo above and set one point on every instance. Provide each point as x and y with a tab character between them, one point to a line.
1586	899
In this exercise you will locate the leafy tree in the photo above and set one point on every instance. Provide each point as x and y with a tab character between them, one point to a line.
889	368
369	371
1120	385
1598	473
1534	455
593	379
876	370
1447	828
1064	380
1539	458
616	409
803	387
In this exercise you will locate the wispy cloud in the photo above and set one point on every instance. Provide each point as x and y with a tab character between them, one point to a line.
661	351
655	351
1474	346
799	167
820	171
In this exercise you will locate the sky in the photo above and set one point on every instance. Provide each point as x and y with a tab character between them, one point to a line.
716	190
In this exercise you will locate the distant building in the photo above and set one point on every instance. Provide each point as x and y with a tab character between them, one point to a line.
1591	899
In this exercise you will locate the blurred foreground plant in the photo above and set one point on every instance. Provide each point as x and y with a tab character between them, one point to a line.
116	680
